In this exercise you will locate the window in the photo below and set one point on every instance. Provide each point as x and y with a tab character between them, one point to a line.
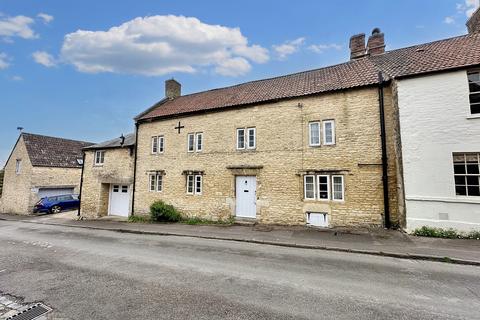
338	188
18	166
466	168
158	144
241	138
154	145
318	187
474	85
199	143
194	184
161	144
124	189
328	132
251	143
191	142
99	157
314	134
323	187
156	182
309	187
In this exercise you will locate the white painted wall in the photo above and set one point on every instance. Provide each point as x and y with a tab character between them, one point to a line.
435	121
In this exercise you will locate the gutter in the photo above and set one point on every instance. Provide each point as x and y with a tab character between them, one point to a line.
386	198
81	185
134	168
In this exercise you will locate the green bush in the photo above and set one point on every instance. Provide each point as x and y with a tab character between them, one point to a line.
162	212
446	234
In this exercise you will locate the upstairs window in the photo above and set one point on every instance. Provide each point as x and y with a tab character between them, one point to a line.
251	138
191	142
199	141
158	144
246	138
466	167
474	85
314	134
328	132
18	166
241	138
195	142
156	182
99	157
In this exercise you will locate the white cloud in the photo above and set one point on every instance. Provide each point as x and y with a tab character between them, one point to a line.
468	7
18	26
449	20
17	78
45	17
158	45
44	58
320	48
288	47
4	61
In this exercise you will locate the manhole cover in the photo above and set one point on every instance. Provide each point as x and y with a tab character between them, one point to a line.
31	313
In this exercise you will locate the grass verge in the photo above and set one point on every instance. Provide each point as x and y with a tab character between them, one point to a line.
445	233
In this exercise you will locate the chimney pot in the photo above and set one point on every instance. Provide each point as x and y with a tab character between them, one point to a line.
376	43
173	89
357	46
473	24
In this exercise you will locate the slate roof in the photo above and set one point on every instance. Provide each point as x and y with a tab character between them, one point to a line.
45	151
114	143
453	53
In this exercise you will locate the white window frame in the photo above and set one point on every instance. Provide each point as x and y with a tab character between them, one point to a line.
472	93
199	134
310	125
324	123
18	166
102	157
192	140
328	187
333	188
243	140
154	148
314	182
161	144
194	178
156	178
465	175
247	138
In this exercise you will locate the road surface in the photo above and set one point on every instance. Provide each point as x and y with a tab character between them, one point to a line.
93	274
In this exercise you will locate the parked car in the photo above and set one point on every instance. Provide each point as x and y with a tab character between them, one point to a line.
57	204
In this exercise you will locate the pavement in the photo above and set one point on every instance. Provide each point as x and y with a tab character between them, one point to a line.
84	273
373	242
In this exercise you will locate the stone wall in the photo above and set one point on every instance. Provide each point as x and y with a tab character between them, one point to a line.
281	157
117	168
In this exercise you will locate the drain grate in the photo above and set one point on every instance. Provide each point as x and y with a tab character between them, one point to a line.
31	313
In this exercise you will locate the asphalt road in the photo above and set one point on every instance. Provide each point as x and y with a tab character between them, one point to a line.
91	274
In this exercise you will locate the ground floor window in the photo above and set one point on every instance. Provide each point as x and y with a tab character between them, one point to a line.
194	184
324	187
156	182
466	167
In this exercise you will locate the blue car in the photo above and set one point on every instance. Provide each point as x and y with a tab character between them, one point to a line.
57	204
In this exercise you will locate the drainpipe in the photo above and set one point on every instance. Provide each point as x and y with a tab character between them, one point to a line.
134	168
81	184
386	199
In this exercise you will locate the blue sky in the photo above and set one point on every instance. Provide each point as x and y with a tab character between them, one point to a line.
84	69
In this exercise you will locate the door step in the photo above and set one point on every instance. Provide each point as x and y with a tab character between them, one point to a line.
245	221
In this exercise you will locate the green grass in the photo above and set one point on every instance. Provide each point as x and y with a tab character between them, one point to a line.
200	221
445	233
139	219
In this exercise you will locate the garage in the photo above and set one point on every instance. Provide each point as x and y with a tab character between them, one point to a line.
119	200
50	192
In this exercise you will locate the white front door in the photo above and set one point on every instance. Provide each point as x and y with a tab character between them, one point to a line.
246	194
119	200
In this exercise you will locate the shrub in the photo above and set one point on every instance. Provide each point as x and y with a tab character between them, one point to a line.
162	212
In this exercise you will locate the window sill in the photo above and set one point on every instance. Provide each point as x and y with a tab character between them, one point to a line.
98	165
473	116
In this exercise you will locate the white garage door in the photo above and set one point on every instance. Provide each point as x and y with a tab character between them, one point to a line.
119	200
47	192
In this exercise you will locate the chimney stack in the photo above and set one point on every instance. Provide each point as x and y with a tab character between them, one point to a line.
376	43
473	24
173	89
357	46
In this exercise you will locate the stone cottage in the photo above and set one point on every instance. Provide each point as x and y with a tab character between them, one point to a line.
107	178
40	166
